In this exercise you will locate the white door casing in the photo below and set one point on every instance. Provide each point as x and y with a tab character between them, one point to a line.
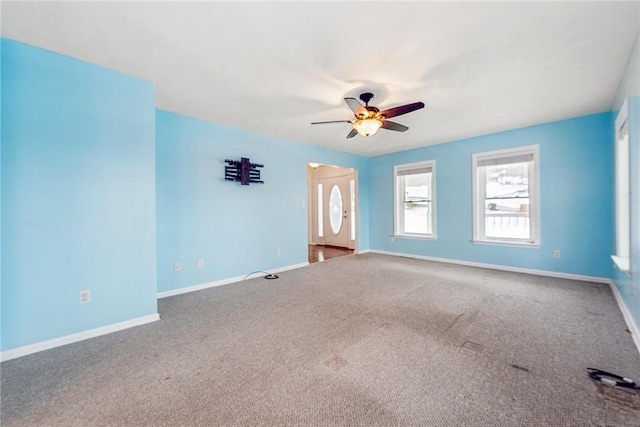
320	184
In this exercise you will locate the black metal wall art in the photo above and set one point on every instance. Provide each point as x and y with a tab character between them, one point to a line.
242	171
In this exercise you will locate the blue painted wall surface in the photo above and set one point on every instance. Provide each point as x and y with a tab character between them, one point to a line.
235	229
623	281
576	168
78	196
0	192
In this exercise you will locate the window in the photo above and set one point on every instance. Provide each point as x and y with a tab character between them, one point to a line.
320	212
623	224
506	196
352	190
335	209
415	199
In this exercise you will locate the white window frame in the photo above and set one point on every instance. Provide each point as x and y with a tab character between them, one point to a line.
398	201
623	193
534	197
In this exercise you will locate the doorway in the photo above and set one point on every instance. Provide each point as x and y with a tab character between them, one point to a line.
333	215
319	253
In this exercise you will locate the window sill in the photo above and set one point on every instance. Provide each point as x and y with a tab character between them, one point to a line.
413	237
507	243
623	264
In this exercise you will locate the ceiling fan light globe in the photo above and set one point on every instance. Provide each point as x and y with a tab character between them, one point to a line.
367	127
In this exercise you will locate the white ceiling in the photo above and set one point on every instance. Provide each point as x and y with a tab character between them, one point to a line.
274	67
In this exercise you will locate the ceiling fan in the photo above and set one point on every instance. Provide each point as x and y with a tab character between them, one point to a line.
369	119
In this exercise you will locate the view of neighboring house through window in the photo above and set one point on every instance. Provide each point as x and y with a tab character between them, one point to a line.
415	200
506	208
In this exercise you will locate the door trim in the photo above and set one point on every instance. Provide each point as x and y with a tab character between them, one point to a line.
326	171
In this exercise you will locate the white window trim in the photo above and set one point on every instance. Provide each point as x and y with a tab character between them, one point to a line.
397	215
534	198
622	258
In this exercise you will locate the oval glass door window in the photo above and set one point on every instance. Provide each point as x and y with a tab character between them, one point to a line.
335	209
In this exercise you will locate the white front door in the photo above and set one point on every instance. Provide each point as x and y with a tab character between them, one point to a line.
336	202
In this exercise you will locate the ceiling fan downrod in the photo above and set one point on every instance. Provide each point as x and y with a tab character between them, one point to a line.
366	97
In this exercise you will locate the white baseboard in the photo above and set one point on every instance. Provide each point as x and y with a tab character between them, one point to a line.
289	267
631	324
92	333
221	282
80	336
501	267
364	251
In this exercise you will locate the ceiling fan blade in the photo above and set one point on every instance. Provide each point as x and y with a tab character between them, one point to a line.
354	104
403	109
386	124
331	121
352	133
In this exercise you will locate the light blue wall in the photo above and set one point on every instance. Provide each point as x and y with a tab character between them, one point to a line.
576	168
78	196
0	190
234	228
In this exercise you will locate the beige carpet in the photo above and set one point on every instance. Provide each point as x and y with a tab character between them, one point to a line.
358	340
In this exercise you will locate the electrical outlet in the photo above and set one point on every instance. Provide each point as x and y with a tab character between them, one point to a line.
634	289
302	204
278	251
556	253
85	297
200	263
177	266
391	239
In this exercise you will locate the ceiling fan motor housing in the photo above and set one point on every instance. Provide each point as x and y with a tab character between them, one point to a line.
367	112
